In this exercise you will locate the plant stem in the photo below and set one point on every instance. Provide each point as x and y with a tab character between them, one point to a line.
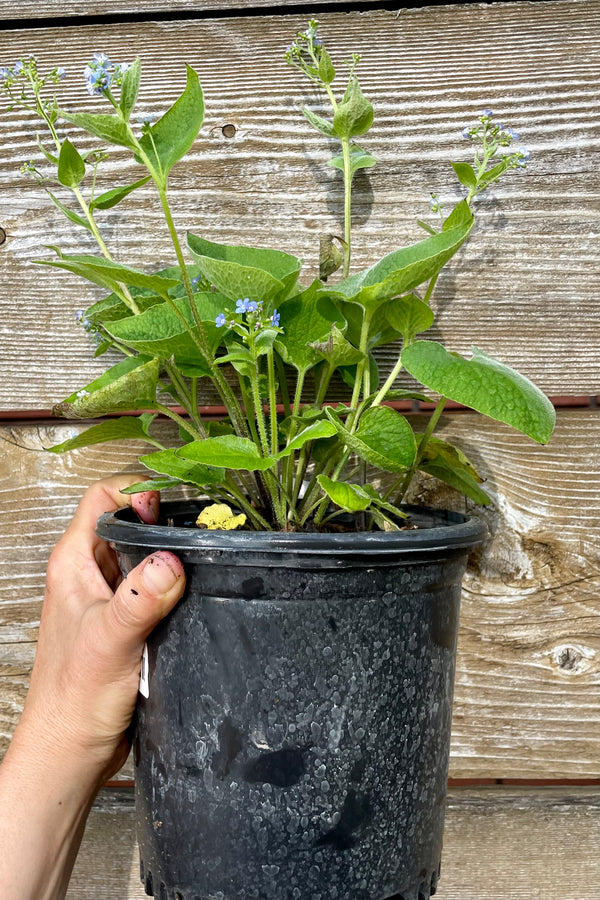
167	411
406	480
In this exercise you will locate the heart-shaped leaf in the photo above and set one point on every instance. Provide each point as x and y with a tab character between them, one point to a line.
305	319
129	385
239	272
125	428
484	384
383	438
162	332
409	315
229	451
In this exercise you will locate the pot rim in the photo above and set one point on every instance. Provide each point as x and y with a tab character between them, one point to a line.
439	531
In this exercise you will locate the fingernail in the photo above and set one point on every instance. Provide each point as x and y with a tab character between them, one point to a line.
158	576
154	504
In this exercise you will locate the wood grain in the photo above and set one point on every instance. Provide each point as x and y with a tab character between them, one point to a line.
526	703
524	289
61	9
499	844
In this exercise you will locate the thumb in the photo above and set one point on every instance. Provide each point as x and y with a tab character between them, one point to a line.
149	592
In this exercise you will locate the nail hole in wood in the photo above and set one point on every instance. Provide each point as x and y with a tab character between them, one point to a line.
228	130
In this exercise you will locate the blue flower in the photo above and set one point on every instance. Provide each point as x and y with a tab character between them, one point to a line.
5	72
61	73
101	59
275	318
523	157
220	320
252	306
466	132
487	113
242	306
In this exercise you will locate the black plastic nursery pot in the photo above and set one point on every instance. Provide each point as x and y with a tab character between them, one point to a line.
294	744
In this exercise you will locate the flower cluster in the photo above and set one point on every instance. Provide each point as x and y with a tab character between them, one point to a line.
256	319
494	135
25	69
102	75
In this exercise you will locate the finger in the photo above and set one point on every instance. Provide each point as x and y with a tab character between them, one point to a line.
146	505
149	592
103	496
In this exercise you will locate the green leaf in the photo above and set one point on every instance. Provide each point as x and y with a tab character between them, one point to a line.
110	198
124	428
305	319
161	332
169	139
106	127
450	465
484	384
315	431
349	497
154	484
402	270
326	70
380	503
265	340
129	385
383	438
354	115
72	216
337	350
318	122
71	167
465	174
229	451
167	462
130	86
359	159
106	273
409	315
112	308
238	272
493	174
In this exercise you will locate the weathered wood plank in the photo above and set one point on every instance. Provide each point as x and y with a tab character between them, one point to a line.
524	289
517	844
62	9
526	700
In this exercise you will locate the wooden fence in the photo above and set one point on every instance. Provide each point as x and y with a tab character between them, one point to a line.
525	288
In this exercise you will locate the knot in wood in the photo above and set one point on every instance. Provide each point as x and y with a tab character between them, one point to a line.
2	235
228	130
572	659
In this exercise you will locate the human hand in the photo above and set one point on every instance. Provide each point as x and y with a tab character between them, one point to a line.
72	735
92	632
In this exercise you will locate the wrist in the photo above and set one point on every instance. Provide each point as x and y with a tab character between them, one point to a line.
45	798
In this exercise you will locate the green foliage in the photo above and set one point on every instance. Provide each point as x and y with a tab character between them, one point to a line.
272	348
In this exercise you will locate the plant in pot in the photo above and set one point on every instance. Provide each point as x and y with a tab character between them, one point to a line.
292	741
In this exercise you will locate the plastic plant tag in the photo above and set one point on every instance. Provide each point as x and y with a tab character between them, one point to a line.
144	687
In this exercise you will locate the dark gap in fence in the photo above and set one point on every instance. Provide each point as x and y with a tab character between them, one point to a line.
179	15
